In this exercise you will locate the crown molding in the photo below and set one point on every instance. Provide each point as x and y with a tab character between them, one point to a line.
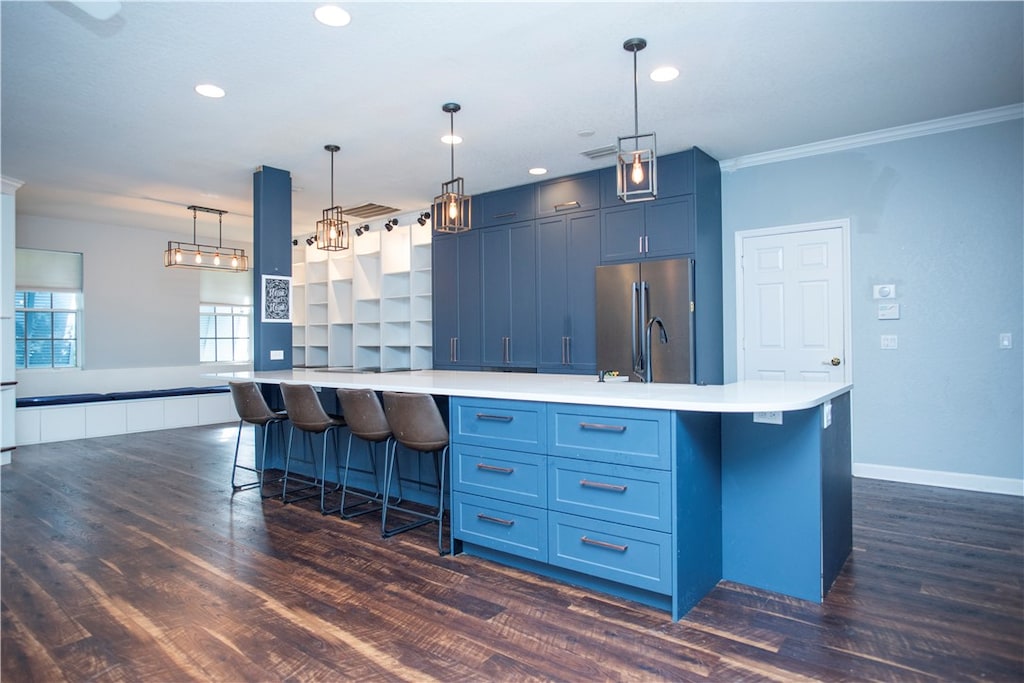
10	185
914	130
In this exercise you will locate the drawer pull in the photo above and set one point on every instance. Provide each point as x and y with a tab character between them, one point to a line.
607	428
495	520
494	468
602	485
499	418
604	544
567	205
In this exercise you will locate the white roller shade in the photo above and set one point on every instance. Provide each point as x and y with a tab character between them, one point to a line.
217	287
52	271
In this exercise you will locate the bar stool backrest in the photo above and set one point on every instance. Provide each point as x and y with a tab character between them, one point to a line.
250	404
364	414
415	421
304	409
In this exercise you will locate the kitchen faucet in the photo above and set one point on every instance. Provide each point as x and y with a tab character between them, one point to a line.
643	362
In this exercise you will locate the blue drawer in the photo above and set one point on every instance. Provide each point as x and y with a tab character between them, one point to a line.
615	493
626	436
505	206
515	425
509	527
573	193
628	555
508	475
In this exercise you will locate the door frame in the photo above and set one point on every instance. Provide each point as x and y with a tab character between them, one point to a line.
844	225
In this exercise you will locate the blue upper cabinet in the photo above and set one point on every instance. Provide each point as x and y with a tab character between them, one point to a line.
505	206
456	282
572	193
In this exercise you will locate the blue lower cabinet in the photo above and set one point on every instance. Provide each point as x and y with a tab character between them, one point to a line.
509	475
515	425
620	553
613	493
509	527
629	436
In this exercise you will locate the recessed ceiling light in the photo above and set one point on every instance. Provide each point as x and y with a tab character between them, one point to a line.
585	133
209	90
538	171
665	73
451	139
332	15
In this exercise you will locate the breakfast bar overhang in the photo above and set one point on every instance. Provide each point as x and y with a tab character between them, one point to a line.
748	482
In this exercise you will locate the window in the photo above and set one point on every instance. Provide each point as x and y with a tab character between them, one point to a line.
224	333
46	329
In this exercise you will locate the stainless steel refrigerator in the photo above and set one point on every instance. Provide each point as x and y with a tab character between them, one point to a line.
645	320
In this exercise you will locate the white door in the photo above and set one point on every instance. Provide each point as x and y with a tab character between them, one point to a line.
793	293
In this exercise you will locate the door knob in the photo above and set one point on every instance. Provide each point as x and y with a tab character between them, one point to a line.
835	361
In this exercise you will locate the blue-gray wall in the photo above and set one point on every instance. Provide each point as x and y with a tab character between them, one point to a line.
941	217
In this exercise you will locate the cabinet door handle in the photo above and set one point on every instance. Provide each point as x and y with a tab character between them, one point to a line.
498	418
495	520
605	544
640	244
506	349
601	485
566	351
601	427
507	214
567	205
647	244
495	468
451	349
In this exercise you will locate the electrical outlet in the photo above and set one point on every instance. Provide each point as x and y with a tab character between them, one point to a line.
890	341
826	414
771	417
277	354
1006	340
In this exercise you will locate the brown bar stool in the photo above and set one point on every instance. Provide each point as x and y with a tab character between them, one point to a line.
253	409
366	420
308	416
416	423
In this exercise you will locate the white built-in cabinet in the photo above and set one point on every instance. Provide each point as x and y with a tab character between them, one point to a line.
368	306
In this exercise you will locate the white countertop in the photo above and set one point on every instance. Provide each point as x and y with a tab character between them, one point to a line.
739	397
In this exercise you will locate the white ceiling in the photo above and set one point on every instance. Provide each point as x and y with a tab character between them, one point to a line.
101	123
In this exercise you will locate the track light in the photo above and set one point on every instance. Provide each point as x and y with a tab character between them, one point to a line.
365	227
424	217
310	240
295	243
391	224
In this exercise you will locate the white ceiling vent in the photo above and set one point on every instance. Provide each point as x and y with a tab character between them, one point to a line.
600	152
370	210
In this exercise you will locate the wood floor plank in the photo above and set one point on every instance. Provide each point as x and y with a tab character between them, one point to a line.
129	558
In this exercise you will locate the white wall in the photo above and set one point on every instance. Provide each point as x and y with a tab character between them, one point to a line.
941	217
141	320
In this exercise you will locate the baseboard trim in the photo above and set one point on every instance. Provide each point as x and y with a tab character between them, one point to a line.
949	480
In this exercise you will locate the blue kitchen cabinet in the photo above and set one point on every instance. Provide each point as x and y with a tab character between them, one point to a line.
568	250
572	193
505	206
675	177
455	274
662	228
509	292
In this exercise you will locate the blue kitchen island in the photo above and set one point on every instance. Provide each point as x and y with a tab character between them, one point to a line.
654	492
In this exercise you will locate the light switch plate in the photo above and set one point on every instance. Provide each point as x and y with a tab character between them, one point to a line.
1005	340
276	354
826	415
890	341
888	311
771	417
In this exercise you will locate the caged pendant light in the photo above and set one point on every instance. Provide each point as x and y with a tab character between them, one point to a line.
332	229
195	255
452	207
636	162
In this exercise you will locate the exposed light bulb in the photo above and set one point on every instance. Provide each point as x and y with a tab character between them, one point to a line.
177	256
199	257
334	233
216	259
234	261
453	208
638	170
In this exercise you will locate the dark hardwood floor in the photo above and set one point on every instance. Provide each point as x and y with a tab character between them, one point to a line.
128	559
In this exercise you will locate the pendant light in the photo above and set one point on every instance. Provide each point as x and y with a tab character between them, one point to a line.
332	229
636	161
195	255
452	206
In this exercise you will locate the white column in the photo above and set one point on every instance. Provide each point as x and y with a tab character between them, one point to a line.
7	374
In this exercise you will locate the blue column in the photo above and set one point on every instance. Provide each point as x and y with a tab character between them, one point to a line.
271	255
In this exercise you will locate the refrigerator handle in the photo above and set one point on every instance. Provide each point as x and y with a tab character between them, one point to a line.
635	323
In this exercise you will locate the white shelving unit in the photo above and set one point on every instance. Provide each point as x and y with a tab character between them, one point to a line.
368	306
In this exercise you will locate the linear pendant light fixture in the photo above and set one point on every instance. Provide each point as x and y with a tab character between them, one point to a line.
195	255
452	206
332	229
637	157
